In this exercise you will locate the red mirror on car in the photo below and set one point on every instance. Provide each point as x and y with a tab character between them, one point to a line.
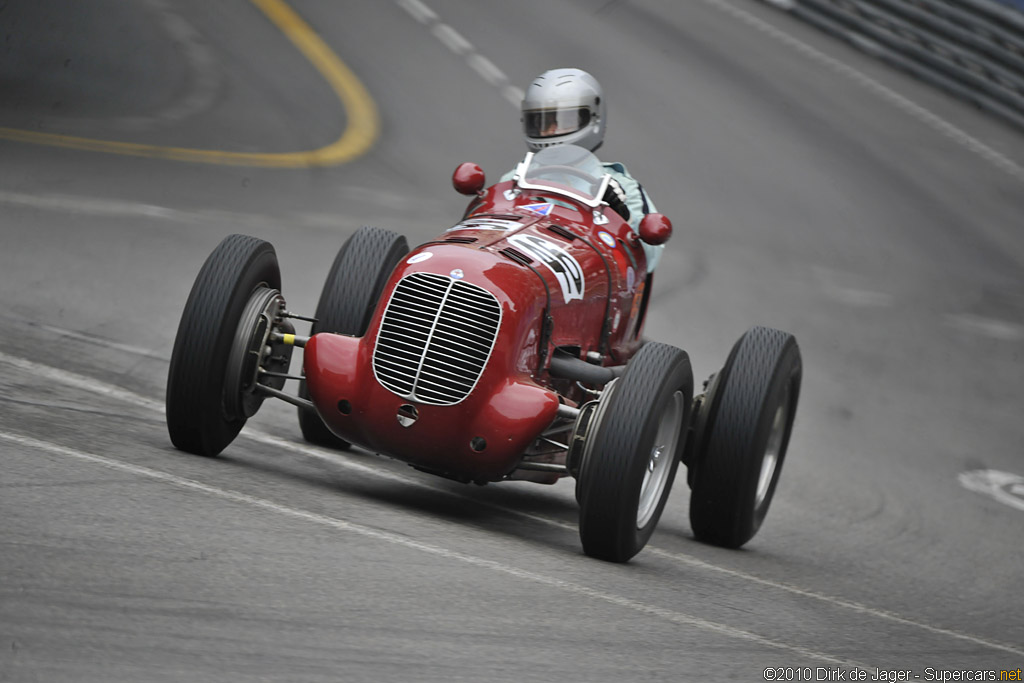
655	228
468	179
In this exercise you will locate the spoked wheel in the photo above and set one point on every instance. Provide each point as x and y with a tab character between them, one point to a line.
347	302
630	459
223	348
741	435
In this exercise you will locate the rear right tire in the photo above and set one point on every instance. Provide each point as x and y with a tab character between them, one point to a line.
740	437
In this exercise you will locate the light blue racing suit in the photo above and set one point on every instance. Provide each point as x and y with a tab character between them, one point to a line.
637	201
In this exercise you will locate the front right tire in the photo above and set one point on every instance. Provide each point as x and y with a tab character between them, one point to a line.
630	461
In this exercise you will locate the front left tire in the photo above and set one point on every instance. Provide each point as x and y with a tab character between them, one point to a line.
204	413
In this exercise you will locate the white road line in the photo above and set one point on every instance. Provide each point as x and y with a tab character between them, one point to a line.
100	341
112	208
406	542
989	327
487	70
844	287
452	39
89	384
82	382
119	208
514	95
839	602
1000	161
458	44
418	10
1005	487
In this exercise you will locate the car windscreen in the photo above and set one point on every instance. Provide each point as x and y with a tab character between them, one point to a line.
565	169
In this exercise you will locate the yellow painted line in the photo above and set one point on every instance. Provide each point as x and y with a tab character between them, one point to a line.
355	140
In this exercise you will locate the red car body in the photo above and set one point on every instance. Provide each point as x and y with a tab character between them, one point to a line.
562	274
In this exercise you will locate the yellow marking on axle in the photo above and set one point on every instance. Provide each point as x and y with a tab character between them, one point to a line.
288	339
355	140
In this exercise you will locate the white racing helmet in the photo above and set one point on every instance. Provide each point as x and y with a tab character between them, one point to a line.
563	106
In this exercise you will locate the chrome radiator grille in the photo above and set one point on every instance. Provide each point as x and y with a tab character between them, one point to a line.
435	338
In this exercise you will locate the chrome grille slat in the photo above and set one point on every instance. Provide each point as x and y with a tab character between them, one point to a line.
473	315
473	296
452	336
410	330
416	313
400	363
438	367
435	379
435	338
467	355
413	308
401	347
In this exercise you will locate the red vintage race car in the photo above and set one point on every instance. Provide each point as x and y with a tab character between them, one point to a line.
508	348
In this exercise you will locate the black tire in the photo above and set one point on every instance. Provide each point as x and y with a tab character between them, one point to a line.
349	298
197	419
646	413
741	437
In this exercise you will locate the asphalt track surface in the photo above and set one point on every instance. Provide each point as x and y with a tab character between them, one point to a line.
811	189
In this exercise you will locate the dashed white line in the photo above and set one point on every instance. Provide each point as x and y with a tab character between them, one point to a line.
462	47
96	386
513	94
452	39
418	10
486	69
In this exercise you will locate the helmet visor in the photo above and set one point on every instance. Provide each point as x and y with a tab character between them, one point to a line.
546	123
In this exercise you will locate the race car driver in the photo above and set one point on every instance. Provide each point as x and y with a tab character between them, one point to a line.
566	106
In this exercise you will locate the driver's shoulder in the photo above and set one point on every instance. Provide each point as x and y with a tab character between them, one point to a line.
617	167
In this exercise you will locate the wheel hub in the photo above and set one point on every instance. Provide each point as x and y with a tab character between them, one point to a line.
770	461
659	466
252	350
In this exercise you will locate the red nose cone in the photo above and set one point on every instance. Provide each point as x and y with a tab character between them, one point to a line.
468	178
655	228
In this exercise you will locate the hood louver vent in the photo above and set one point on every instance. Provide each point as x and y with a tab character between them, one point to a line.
516	255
